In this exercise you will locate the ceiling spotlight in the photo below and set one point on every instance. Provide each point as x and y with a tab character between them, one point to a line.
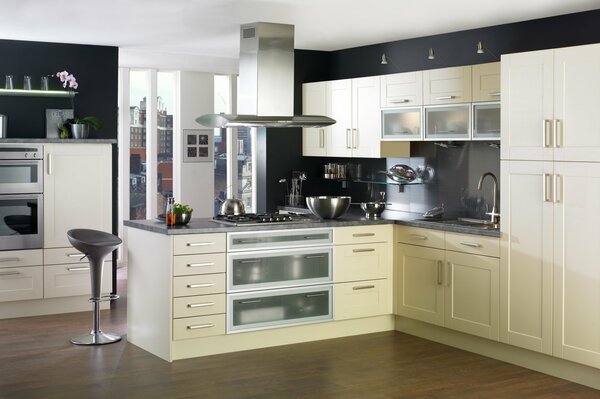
482	49
384	60
431	55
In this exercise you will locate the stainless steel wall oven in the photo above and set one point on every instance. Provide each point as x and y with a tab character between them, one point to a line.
21	196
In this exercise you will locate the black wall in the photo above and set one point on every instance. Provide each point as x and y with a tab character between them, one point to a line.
451	49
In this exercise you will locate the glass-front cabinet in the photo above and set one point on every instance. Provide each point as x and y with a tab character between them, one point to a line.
486	121
401	124
447	122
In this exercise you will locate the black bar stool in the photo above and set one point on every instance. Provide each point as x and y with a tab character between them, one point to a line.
95	245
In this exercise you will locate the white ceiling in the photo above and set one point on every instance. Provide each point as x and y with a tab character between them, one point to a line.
203	34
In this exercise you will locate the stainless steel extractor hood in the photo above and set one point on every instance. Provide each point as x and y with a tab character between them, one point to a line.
266	82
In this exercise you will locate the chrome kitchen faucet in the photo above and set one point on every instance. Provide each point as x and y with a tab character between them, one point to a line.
494	214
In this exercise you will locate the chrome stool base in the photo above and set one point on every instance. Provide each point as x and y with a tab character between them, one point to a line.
98	338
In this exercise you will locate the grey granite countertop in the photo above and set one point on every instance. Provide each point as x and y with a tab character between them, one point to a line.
65	141
351	218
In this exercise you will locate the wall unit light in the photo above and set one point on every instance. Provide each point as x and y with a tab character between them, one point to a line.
385	59
482	49
431	55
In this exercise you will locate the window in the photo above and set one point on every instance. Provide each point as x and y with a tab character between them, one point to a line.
137	147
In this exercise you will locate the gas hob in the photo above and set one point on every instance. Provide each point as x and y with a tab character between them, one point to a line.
254	219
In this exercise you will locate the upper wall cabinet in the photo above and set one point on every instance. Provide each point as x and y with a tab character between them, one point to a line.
402	89
486	82
447	85
549	104
314	102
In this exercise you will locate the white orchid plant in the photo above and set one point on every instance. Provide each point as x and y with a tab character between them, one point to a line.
67	79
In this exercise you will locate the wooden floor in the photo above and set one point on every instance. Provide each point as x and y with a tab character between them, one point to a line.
37	361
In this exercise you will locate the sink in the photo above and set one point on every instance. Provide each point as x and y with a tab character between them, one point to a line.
477	223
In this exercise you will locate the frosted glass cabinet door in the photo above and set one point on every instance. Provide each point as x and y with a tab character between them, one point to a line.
486	121
401	124
447	122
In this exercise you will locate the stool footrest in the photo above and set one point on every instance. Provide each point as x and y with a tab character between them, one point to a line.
104	298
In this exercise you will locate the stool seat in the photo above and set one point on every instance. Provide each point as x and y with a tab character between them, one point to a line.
96	246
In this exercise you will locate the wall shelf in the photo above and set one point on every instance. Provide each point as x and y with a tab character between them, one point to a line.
37	93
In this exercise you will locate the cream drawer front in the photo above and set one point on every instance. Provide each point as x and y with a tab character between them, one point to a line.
199	243
184	265
73	280
197	327
21	283
420	236
199	305
473	244
361	299
58	256
29	257
362	234
199	284
361	262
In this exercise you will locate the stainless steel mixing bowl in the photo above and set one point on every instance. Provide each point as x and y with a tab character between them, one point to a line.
327	207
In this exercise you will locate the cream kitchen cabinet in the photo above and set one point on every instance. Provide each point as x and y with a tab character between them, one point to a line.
77	190
21	275
486	82
362	271
402	89
314	102
447	85
549	105
442	286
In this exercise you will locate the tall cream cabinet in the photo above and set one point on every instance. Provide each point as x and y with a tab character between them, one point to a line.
550	279
448	279
549	104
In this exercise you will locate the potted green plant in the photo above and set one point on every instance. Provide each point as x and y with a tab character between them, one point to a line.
183	213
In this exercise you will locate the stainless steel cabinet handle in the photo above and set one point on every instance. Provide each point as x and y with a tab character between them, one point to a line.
546	132
363	250
199	244
314	256
348	139
9	272
321	138
206	264
354	138
250	261
494	94
418	236
77	269
557	128
446	98
249	241
470	244
74	255
558	182
200	305
198	326
363	287
10	259
401	101
363	234
545	180
315	295
251	301
439	272
448	276
49	164
205	285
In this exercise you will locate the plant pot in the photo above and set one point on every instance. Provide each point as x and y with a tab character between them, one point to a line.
80	131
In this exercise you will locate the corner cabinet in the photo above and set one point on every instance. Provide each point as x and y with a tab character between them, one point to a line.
77	190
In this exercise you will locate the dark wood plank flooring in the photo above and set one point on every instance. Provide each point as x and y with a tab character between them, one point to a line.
37	361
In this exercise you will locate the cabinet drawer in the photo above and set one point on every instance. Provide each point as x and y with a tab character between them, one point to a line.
447	85
361	299
402	89
31	257
197	327
361	262
73	280
201	284
21	283
199	305
57	256
198	243
362	234
420	236
185	265
473	244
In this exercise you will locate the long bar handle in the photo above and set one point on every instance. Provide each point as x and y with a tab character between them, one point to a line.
470	244
204	285
250	261
315	295
251	301
448	276
546	133
545	183
363	250
348	139
78	269
446	98
75	255
199	244
10	259
314	256
401	101
206	264
249	241
439	272
200	305
49	164
9	272
321	138
355	138
418	236
557	130
198	326
363	287
363	234
494	94
558	182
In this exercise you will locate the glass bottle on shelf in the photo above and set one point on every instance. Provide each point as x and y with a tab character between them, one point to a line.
170	212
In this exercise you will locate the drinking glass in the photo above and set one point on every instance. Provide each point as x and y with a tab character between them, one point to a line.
44	83
9	82
26	82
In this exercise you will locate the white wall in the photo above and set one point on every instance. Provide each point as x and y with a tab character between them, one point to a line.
193	182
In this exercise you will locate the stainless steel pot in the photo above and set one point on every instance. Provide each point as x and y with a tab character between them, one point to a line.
372	209
232	206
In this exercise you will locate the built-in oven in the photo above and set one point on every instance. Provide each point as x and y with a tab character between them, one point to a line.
21	196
